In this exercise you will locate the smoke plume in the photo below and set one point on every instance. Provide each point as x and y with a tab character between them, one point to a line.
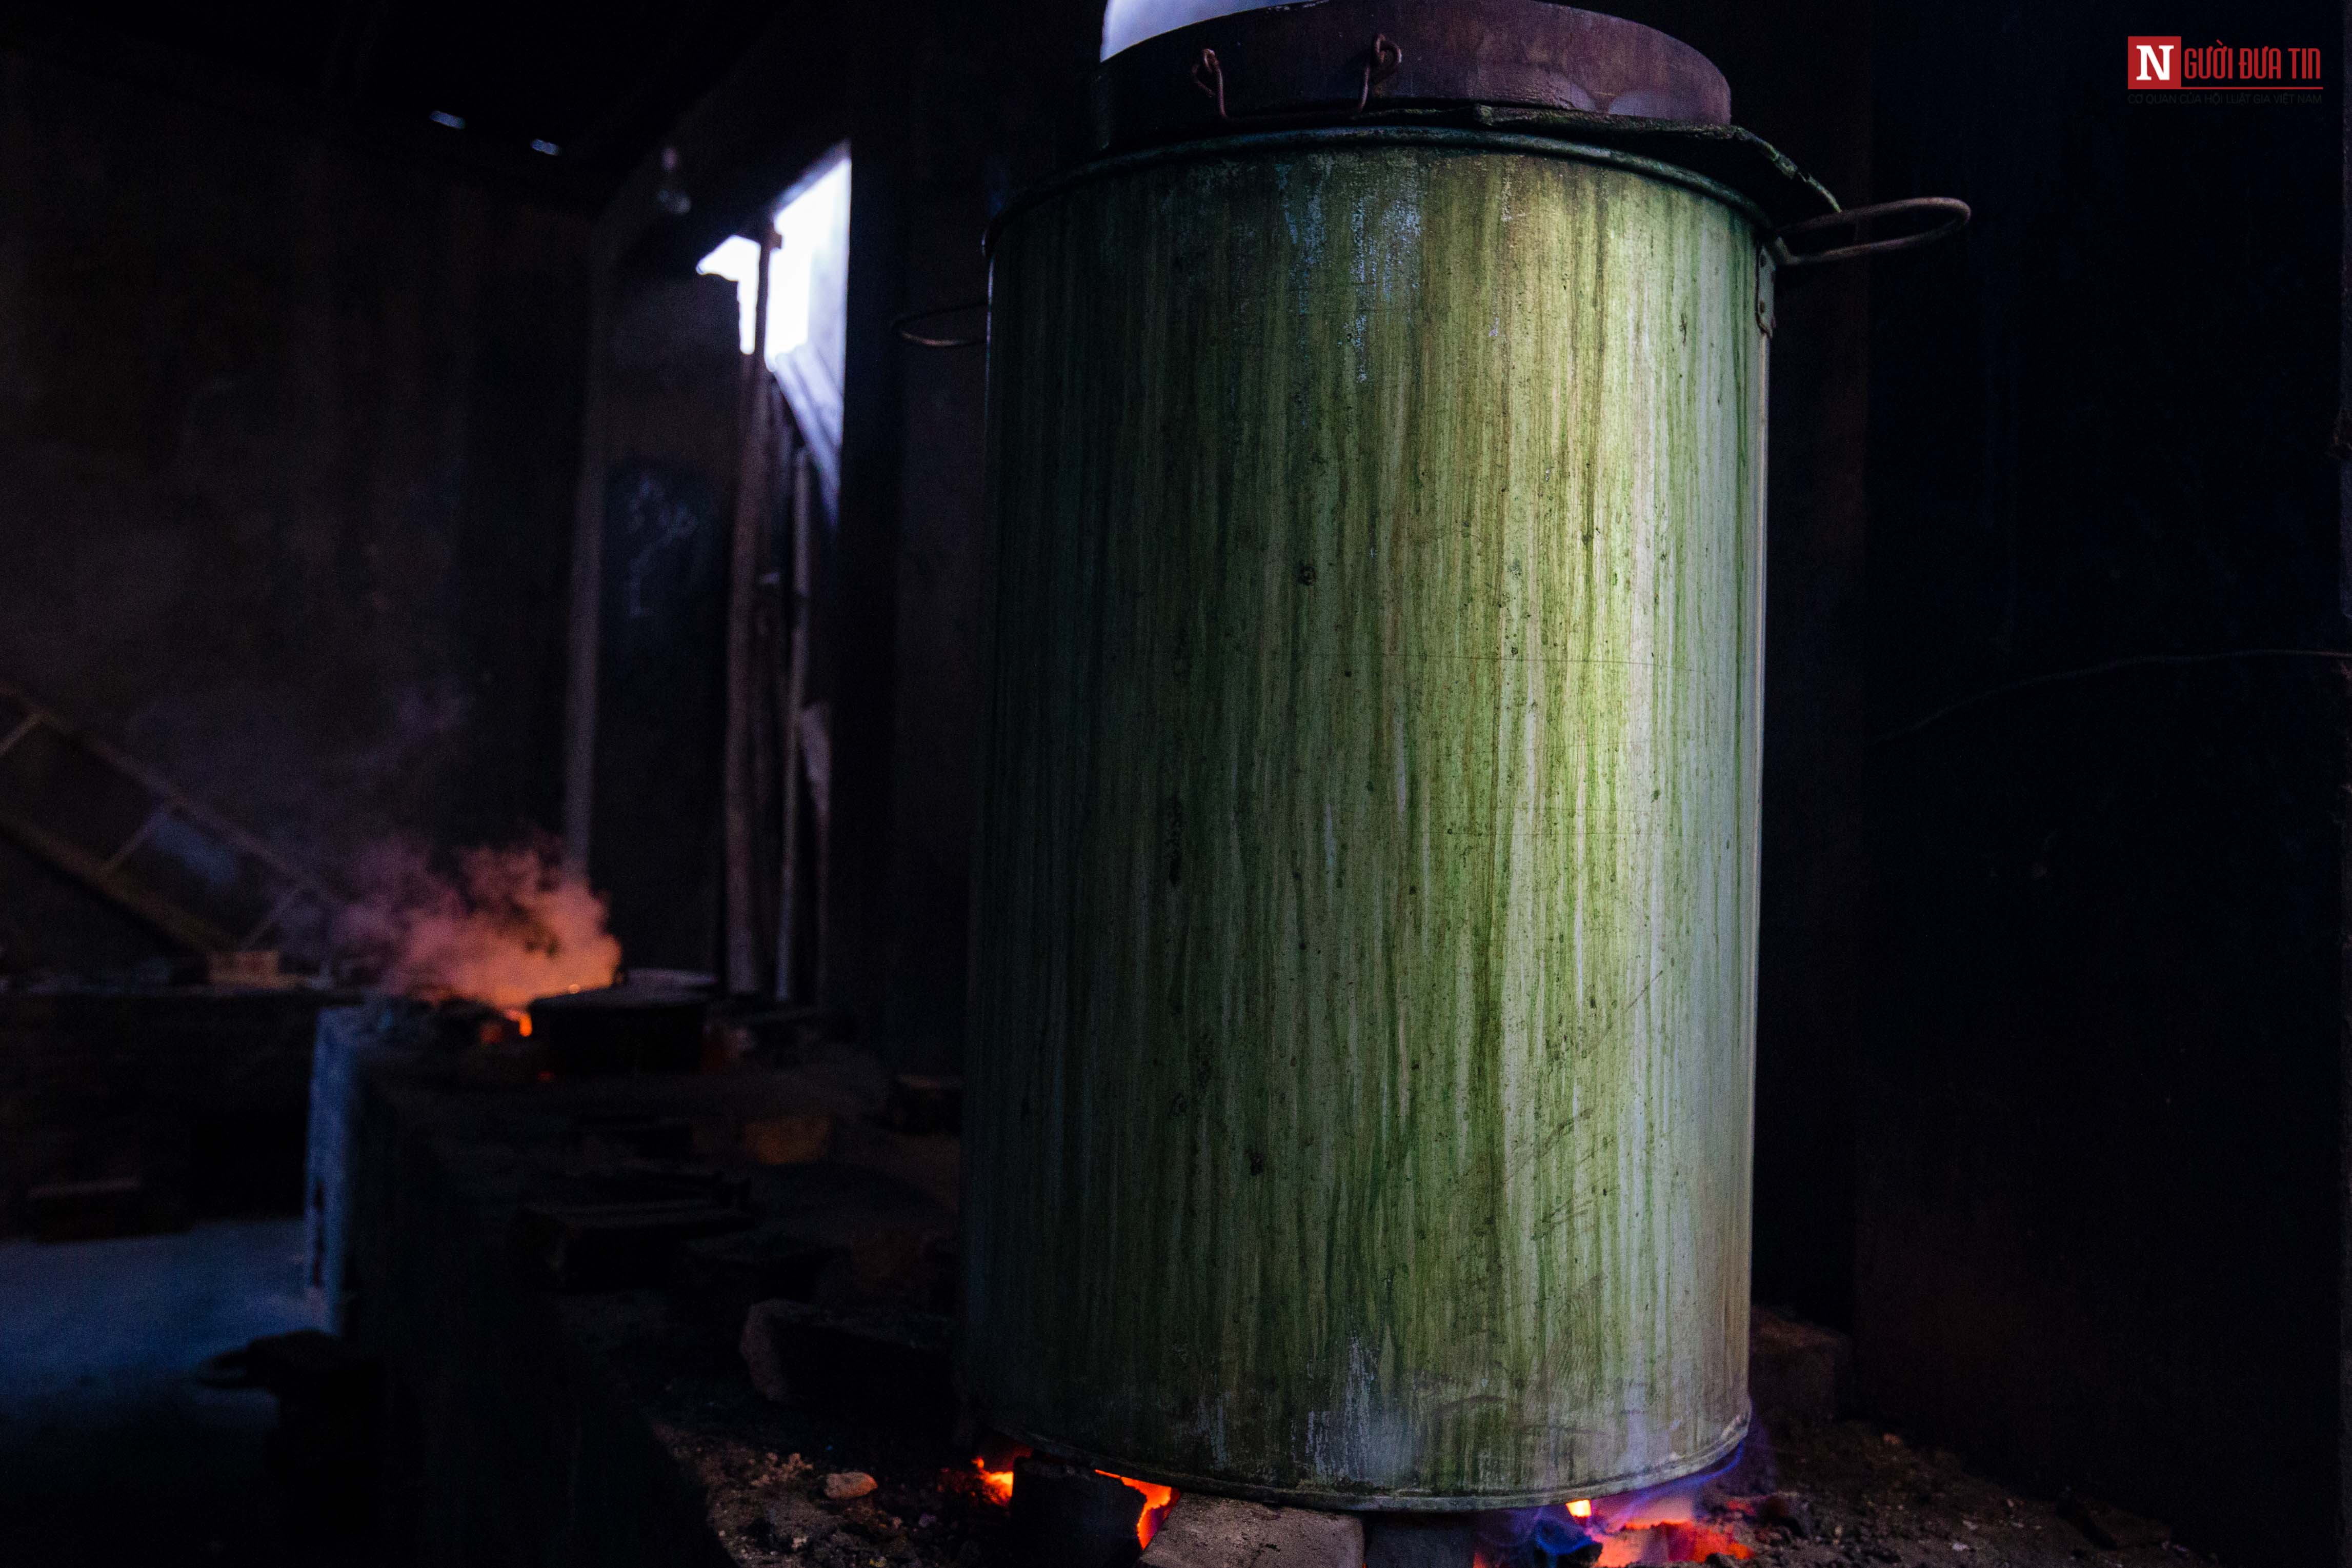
509	926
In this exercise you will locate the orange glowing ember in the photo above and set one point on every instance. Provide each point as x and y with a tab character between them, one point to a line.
1667	1541
1703	1543
1156	1503
996	1485
521	1016
1660	1525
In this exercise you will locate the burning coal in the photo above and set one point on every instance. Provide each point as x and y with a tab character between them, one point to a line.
1656	1526
509	926
1157	1502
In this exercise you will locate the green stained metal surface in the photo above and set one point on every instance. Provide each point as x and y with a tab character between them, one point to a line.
1365	929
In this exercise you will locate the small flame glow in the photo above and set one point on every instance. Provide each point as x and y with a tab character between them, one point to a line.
995	1485
1157	1502
1580	1508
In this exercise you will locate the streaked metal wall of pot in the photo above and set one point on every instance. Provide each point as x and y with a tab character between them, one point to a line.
1366	902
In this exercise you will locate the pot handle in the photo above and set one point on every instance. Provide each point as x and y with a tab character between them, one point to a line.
1956	216
903	326
1381	63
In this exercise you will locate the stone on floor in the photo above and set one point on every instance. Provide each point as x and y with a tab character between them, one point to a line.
1203	1531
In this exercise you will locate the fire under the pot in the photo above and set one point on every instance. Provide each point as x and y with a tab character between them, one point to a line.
1704	1518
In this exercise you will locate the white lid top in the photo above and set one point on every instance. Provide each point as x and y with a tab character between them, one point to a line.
1129	22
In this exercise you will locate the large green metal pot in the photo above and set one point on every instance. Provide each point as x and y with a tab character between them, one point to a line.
1362	1078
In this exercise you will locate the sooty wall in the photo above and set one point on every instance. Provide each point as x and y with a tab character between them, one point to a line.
2100	1157
287	442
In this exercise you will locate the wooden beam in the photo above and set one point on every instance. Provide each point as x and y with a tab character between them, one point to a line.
141	903
742	682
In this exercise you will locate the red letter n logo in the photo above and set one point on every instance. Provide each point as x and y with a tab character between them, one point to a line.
2154	63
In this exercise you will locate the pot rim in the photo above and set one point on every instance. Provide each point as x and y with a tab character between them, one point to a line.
1676	1469
1481	139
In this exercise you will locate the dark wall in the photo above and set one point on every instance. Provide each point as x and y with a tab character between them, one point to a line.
287	446
995	87
672	391
1800	78
2100	1170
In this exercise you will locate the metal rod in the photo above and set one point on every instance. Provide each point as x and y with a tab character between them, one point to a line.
1954	211
899	325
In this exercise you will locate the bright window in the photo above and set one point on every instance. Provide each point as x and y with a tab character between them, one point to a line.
808	304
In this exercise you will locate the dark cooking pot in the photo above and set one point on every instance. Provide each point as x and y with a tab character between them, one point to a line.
623	1029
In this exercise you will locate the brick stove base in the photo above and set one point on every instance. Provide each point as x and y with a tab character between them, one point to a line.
530	1421
127	1109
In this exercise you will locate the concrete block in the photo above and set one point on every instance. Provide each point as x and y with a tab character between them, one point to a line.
1203	1531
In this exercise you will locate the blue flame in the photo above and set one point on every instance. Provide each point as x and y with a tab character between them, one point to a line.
1550	1537
1536	1538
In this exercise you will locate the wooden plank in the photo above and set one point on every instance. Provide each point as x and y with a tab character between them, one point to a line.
152	909
186	806
797	601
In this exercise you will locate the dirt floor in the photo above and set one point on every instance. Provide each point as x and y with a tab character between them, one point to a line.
112	1449
1849	1495
1845	1496
1857	1496
772	1510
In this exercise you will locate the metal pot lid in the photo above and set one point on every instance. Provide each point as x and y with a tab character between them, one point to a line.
1530	67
